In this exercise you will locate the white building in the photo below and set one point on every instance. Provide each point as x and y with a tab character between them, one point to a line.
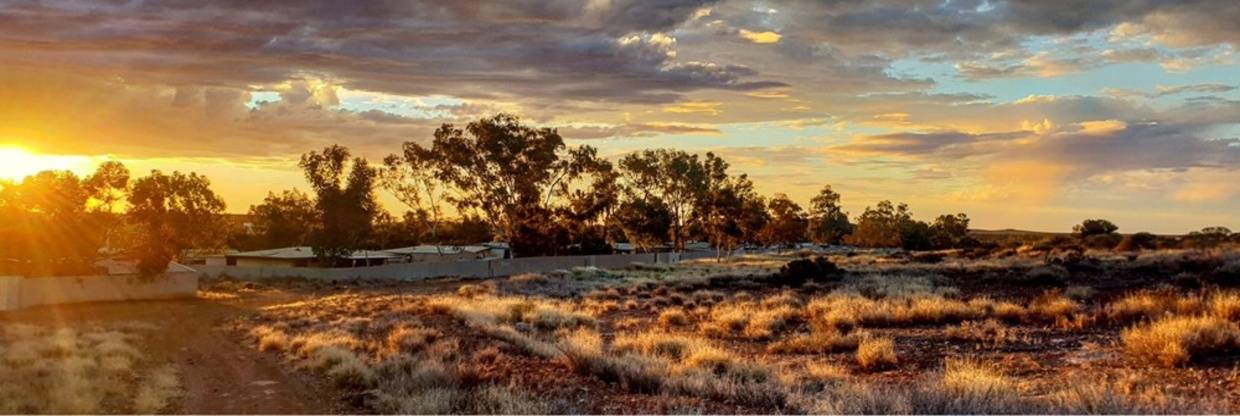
427	253
300	256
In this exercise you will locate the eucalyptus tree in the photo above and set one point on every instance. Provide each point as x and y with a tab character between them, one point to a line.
344	198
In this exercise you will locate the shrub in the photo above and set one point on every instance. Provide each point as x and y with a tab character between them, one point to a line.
1178	340
800	271
1045	276
1137	242
1227	274
876	352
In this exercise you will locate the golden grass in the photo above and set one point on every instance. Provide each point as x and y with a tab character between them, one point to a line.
965	377
842	310
818	342
90	369
673	317
876	352
583	352
1052	306
1179	340
990	331
1149	305
493	310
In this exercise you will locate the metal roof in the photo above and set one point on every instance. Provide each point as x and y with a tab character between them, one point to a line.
432	249
306	252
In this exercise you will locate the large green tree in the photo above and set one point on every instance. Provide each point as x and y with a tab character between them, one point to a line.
519	178
828	222
646	222
345	201
413	179
882	226
949	231
173	213
788	224
283	219
679	180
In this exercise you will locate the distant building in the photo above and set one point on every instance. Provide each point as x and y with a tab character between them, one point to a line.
301	256
499	249
429	253
698	246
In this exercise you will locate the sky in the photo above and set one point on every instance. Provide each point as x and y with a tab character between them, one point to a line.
1030	114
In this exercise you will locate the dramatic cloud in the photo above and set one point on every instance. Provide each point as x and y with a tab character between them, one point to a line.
980	101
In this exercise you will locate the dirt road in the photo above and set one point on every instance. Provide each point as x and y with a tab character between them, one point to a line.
220	372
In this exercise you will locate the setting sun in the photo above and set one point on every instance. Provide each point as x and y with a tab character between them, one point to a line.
17	163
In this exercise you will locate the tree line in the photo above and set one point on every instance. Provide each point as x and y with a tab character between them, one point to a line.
492	179
511	182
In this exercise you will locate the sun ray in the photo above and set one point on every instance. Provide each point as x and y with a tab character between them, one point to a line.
16	163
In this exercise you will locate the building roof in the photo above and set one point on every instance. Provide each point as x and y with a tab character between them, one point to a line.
306	252
432	249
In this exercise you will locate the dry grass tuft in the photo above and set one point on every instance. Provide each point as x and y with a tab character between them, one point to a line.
990	331
1177	340
674	317
1053	306
825	374
876	353
818	342
583	352
1150	305
970	378
499	400
90	369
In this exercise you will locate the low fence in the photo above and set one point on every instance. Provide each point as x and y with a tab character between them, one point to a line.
467	269
20	292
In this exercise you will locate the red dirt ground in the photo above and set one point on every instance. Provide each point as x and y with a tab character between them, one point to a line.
219	373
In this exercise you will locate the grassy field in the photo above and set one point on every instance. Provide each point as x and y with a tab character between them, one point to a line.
1099	332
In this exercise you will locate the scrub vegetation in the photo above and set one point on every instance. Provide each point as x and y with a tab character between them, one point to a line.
849	332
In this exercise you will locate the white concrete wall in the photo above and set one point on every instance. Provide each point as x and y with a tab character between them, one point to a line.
10	292
27	292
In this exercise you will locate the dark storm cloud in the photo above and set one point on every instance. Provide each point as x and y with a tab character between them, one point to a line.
485	50
1137	146
963	28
